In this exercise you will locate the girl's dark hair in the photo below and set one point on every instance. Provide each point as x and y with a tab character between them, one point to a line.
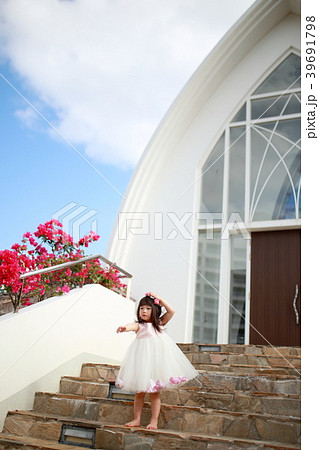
156	312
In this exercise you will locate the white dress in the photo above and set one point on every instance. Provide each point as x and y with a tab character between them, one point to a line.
153	362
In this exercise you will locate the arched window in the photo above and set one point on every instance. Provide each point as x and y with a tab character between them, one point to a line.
251	176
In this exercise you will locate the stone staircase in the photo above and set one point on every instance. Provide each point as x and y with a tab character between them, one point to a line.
245	397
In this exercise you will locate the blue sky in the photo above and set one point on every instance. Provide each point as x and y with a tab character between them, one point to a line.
41	174
103	74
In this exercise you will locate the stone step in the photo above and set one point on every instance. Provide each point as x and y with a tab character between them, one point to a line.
179	418
84	386
107	372
242	349
205	362
252	403
245	363
272	403
244	369
10	442
221	358
210	381
117	437
267	383
244	397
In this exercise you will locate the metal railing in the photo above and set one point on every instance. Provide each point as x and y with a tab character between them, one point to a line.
82	260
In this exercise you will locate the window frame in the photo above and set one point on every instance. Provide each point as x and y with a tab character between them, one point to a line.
249	225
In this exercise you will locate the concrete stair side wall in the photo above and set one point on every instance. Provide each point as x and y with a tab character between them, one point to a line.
40	342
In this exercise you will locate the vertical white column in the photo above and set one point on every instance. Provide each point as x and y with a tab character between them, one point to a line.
223	305
247	218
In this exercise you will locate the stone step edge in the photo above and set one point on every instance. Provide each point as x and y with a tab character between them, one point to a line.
109	366
35	443
254	355
279	364
142	430
86	380
198	409
272	375
117	367
256	369
275	354
240	346
279	369
269	376
196	389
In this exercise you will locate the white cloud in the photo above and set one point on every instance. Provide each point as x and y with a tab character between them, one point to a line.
110	69
27	115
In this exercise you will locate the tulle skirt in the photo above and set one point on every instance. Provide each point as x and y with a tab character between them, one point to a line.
152	364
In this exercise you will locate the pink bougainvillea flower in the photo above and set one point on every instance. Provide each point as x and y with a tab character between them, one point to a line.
26	302
66	289
16	247
51	246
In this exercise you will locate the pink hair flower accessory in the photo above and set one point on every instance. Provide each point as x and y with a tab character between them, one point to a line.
156	300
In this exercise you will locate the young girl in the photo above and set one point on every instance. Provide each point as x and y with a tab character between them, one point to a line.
153	361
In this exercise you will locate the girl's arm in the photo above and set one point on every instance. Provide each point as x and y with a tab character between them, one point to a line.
169	310
128	327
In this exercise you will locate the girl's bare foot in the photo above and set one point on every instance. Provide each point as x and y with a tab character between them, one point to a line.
134	423
152	426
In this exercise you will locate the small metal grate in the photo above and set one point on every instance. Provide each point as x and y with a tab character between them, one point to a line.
209	348
119	394
80	436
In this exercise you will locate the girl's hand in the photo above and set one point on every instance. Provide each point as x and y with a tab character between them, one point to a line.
159	299
169	310
128	327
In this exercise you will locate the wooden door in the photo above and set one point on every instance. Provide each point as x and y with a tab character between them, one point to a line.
275	288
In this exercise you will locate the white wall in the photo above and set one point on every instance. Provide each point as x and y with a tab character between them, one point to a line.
172	163
53	338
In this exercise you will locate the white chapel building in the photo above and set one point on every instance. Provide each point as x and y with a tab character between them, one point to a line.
211	219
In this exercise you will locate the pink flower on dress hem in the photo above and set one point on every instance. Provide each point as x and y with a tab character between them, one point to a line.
155	387
177	380
119	383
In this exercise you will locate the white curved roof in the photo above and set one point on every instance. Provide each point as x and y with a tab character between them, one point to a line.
258	20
